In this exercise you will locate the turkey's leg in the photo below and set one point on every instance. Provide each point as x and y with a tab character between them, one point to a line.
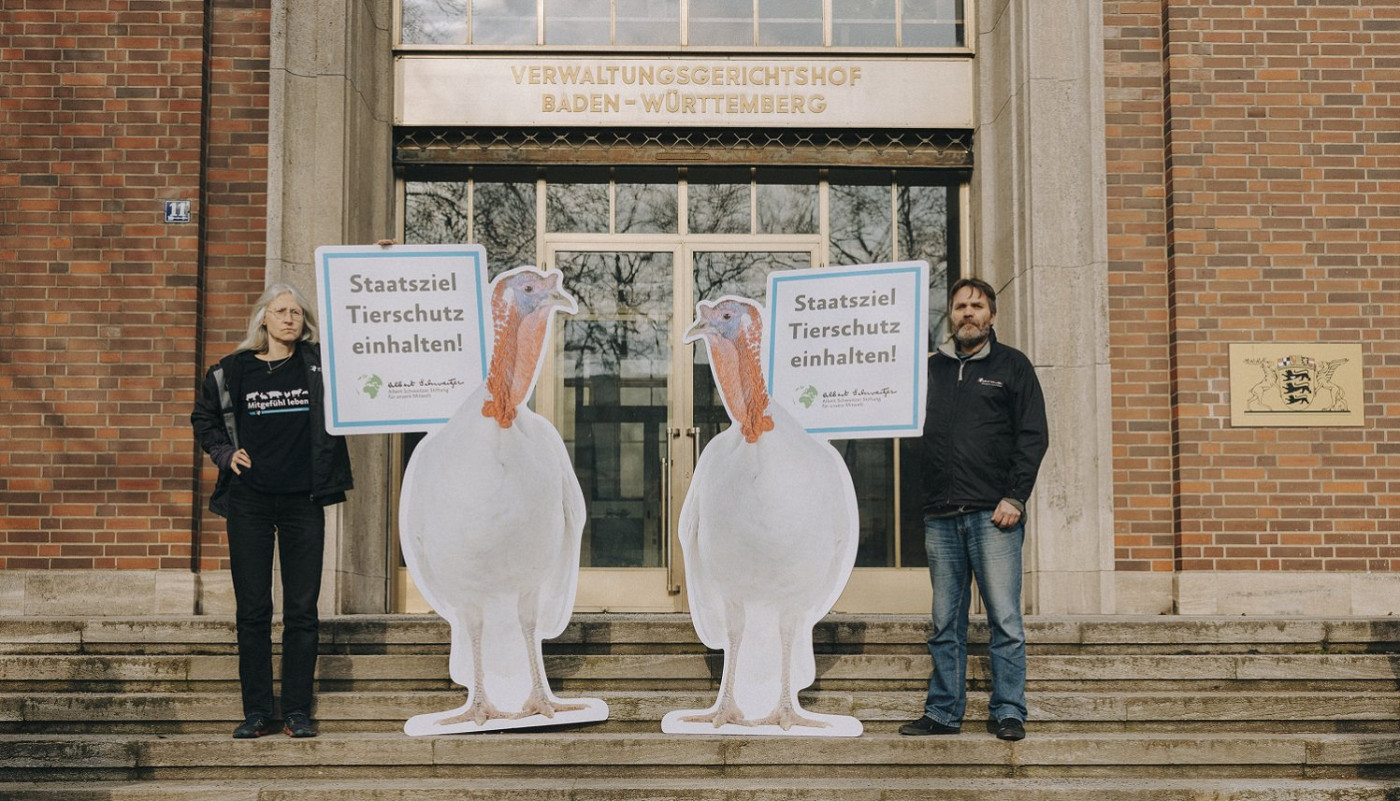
727	711
480	709
787	713
538	702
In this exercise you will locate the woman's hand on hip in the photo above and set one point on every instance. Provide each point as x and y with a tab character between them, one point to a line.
240	459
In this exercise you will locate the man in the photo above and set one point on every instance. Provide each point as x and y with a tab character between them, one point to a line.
984	438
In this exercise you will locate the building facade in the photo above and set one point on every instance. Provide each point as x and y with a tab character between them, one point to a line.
1189	209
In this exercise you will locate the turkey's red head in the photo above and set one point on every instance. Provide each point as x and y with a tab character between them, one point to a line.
732	329
521	305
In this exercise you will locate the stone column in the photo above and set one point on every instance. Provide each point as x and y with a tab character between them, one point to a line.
330	182
1039	236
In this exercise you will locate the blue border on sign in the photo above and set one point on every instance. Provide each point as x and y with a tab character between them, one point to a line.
919	313
473	255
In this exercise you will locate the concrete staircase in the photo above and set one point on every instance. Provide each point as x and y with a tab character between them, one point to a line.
1121	708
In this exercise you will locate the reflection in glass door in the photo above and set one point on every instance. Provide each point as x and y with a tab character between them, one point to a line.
612	382
613	371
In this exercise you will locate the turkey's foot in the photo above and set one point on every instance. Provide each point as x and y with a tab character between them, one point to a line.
540	704
786	716
480	711
726	712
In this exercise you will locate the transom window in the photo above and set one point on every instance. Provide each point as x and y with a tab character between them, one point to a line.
767	24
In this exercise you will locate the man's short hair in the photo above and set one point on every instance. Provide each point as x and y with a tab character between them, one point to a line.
979	285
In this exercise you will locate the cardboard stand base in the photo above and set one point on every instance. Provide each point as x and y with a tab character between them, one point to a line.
836	725
594	710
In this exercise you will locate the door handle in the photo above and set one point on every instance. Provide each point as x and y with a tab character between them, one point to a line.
673	584
694	434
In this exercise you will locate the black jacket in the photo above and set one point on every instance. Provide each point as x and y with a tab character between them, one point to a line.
330	459
985	433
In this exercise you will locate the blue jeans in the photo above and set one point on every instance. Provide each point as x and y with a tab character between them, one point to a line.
958	549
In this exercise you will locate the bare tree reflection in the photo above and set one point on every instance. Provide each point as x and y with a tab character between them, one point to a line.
434	22
860	224
719	208
435	212
503	218
624	310
786	209
922	227
646	208
577	207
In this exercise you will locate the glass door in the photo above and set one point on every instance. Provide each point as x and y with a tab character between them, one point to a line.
635	404
609	385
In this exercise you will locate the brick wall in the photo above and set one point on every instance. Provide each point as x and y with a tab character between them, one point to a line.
1254	166
99	297
1135	138
237	199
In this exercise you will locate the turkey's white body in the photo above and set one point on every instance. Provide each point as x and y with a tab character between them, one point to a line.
490	523
769	533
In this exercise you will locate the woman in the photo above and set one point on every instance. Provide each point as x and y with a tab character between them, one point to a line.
259	417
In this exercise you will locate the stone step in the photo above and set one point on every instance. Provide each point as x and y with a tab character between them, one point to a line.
586	672
670	633
711	789
593	755
640	709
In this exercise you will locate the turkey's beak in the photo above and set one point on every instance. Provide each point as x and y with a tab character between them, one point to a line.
563	300
697	330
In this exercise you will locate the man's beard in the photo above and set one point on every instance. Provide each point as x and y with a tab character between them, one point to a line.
967	340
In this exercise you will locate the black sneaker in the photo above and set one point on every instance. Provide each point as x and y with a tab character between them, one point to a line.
925	726
254	726
297	724
1010	729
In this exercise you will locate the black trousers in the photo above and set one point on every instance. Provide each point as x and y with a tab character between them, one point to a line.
297	525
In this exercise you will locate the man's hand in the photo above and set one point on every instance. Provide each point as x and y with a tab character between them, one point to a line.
1005	515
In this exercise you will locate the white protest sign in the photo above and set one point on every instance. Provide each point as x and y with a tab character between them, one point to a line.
403	333
847	348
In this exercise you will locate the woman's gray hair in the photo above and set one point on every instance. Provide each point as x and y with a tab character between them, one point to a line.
256	340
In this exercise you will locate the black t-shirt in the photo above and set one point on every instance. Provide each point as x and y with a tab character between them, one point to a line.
274	424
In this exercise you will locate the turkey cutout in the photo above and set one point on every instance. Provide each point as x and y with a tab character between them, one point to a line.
769	532
490	520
